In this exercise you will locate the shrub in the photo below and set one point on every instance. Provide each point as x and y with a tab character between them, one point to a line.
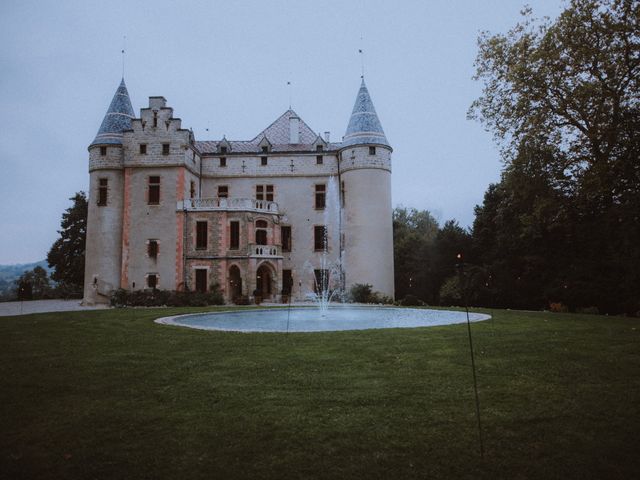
377	297
411	301
361	293
558	307
158	298
119	298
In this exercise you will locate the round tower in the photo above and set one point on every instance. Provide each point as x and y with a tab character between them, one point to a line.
365	176
103	255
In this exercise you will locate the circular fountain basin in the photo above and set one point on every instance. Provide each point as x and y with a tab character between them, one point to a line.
311	320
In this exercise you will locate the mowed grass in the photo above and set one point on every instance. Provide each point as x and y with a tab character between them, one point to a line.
112	395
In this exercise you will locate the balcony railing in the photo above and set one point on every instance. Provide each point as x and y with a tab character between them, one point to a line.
221	204
264	250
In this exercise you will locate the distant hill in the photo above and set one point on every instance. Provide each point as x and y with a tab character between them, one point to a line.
10	273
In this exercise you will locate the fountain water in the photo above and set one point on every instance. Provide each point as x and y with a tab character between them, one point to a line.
327	280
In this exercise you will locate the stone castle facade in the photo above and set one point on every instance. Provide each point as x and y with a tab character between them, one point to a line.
274	216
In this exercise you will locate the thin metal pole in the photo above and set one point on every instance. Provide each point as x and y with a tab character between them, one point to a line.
475	381
464	289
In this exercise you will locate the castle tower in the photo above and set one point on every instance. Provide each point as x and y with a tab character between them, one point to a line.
365	175
104	224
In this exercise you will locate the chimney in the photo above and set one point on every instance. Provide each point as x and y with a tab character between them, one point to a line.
156	103
326	136
294	129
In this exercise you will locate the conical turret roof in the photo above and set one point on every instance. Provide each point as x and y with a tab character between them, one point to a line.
117	119
364	126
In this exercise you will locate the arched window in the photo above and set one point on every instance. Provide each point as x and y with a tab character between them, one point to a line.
261	232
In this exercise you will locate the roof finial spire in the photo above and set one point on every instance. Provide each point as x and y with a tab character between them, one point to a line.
289	88
124	44
361	52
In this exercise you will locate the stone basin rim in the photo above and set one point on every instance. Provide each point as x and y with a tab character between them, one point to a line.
175	320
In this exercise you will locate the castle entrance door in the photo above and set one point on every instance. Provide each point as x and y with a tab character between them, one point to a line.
263	281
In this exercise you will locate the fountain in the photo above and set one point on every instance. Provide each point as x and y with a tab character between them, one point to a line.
327	280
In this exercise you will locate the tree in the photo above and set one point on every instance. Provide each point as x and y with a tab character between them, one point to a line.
451	240
33	285
66	255
572	82
414	232
562	100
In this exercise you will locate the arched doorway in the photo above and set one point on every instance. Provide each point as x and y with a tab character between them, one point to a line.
235	282
264	280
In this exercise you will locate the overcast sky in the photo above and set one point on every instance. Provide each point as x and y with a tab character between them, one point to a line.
224	66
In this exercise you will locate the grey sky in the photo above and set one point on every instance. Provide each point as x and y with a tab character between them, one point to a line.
224	66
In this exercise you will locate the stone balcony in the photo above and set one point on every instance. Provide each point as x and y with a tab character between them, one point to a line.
265	251
228	204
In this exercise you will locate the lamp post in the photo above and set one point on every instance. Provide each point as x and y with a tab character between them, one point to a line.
464	291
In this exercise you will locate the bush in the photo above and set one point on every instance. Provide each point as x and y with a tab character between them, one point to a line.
377	297
214	297
119	298
558	307
158	298
411	301
361	293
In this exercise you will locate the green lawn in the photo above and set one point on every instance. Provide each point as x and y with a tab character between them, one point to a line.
112	395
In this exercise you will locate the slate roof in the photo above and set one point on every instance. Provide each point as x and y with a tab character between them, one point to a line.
117	119
278	135
364	126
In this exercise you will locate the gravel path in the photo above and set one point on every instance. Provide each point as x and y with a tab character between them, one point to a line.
41	306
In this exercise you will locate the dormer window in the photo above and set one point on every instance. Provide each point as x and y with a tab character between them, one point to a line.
319	148
265	149
223	149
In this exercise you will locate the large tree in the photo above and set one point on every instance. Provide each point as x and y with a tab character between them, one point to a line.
66	256
562	100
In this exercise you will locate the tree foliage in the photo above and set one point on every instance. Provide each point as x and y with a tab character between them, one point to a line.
562	100
34	285
66	255
414	233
